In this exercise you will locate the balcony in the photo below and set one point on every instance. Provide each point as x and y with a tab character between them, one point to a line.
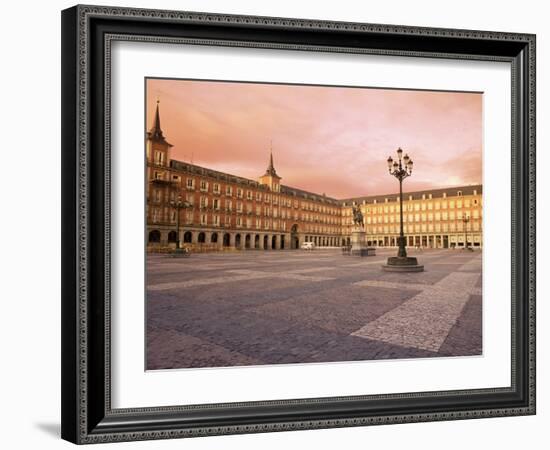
161	182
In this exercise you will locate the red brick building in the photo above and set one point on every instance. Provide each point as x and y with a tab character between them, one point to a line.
231	211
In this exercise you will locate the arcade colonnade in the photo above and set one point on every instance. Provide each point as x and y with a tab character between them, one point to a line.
239	239
243	239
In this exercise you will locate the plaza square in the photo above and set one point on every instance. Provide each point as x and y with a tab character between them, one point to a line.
322	248
280	307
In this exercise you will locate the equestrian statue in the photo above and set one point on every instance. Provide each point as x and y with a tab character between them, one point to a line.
358	217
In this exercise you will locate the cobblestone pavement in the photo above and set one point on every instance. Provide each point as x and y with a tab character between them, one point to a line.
278	307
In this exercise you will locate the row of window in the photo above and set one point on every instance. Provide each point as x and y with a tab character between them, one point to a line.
267	211
424	228
215	220
250	223
430	217
160	215
410	198
216	188
466	203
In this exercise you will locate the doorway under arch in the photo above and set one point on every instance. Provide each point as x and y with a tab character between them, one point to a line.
226	240
294	238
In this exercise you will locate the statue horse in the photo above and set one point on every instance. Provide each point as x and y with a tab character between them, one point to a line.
358	217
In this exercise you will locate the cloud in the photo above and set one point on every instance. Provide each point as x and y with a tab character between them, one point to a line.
325	139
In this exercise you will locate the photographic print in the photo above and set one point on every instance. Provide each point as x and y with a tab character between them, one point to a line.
296	224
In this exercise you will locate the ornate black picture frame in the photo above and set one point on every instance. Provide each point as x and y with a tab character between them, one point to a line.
87	33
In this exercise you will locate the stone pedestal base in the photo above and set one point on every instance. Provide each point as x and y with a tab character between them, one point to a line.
367	251
359	244
180	253
402	264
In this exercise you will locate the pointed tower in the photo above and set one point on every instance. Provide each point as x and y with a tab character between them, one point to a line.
270	177
158	148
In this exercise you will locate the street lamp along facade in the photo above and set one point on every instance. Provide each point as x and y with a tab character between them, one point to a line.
178	205
401	168
465	221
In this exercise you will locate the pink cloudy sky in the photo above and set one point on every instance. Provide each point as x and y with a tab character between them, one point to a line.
325	139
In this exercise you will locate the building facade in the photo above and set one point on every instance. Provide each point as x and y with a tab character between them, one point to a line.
228	211
438	218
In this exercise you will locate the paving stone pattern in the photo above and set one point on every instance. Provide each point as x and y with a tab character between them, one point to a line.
280	307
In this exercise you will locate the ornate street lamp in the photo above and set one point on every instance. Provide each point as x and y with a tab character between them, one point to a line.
401	168
465	221
178	205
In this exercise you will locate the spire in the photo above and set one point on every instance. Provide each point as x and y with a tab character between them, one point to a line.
155	133
157	118
271	168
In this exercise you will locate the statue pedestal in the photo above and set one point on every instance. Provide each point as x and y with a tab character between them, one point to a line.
359	244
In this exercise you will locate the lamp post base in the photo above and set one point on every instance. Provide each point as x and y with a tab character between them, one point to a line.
402	264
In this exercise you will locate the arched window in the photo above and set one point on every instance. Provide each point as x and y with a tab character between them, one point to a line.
188	237
154	236
202	238
172	236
